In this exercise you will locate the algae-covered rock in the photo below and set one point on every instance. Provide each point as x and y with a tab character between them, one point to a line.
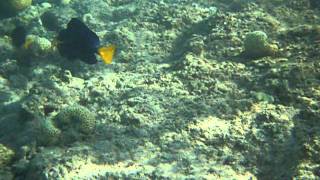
34	46
65	2
213	129
256	45
6	48
48	134
76	117
261	96
37	46
6	156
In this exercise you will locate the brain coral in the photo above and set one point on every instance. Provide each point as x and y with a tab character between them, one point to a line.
78	118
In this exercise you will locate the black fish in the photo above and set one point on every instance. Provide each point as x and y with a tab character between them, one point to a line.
18	36
77	41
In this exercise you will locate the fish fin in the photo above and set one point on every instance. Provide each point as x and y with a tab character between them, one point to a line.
107	53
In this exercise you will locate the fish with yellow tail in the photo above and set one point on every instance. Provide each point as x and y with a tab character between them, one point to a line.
77	41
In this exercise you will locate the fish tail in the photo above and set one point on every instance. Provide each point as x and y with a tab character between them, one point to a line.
27	44
106	53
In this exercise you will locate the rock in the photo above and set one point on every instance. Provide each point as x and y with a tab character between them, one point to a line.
261	96
256	45
65	2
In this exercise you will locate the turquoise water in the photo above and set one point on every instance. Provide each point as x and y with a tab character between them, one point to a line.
196	89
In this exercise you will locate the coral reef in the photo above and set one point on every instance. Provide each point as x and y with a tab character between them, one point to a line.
197	90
